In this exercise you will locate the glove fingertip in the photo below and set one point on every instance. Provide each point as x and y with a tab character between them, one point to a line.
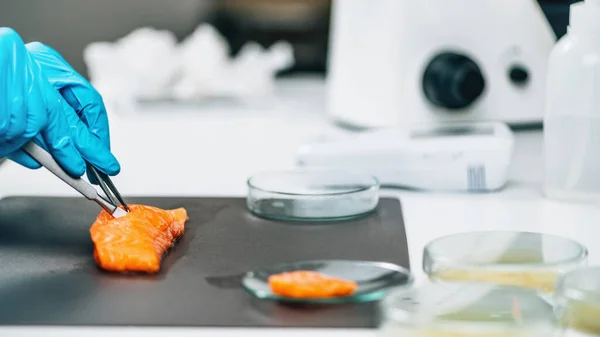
112	168
102	159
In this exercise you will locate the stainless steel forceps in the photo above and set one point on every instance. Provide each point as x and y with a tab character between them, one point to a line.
86	189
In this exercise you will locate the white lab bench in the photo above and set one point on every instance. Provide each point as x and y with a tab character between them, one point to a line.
211	151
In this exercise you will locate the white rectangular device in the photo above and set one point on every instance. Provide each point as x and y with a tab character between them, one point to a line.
471	157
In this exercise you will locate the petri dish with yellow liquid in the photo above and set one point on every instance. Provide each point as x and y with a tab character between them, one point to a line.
512	258
577	301
466	310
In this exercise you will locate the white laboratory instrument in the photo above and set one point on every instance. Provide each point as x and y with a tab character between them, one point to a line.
468	157
405	62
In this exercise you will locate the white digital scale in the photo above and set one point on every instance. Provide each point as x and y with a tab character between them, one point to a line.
472	157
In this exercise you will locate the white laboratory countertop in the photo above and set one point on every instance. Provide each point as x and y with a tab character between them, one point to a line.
211	151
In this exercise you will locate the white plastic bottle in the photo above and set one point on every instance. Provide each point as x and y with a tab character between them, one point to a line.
572	117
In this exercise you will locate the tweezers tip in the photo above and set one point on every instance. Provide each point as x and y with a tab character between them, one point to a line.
109	188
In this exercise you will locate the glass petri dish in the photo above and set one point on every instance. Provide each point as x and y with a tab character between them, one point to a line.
577	301
523	259
465	309
313	195
374	279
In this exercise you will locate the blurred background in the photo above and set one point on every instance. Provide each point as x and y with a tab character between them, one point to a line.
381	63
70	25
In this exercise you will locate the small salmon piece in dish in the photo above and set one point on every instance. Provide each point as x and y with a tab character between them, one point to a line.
138	241
310	284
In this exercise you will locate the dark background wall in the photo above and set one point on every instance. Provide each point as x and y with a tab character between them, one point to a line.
69	25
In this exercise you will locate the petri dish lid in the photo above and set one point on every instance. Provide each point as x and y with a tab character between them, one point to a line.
477	304
313	194
577	301
504	249
581	285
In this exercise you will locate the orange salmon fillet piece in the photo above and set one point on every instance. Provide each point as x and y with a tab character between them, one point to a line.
138	241
309	284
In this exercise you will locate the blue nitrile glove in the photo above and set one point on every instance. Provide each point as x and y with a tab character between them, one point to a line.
41	96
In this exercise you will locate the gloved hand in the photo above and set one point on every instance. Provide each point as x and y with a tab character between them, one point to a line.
43	98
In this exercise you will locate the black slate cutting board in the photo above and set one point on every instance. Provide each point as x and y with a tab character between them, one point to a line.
48	275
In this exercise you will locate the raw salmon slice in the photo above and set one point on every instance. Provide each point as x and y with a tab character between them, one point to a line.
138	241
310	284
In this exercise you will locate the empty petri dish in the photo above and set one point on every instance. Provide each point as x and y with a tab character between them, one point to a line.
313	195
374	279
465	309
577	301
523	259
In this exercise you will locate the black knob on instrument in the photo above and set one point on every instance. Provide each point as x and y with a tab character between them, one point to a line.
452	81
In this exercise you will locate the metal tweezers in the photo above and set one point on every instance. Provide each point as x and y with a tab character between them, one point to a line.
113	198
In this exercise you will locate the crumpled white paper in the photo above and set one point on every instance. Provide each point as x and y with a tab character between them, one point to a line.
149	64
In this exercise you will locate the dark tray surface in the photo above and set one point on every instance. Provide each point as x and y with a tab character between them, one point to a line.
48	276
